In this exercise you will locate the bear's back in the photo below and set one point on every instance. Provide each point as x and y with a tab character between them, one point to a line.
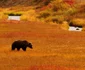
17	43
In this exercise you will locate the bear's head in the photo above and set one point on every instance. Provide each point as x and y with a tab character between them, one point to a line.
28	44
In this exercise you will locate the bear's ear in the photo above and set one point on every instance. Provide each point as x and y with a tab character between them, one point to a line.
29	43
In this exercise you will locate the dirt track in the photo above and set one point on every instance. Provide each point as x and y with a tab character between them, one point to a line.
53	48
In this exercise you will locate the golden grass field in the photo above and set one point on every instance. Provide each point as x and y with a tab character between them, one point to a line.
53	48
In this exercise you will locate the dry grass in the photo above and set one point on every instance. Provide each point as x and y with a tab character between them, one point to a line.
53	49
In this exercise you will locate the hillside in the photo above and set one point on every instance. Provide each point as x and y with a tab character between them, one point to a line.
8	3
53	49
47	11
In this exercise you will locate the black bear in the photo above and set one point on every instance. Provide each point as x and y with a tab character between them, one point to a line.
21	44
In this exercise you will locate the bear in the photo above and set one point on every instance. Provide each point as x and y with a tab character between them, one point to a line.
21	44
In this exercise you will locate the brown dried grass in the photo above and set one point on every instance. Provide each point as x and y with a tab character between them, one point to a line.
53	49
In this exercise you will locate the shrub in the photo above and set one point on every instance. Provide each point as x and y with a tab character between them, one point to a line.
44	14
14	14
48	19
77	22
83	29
71	11
29	15
3	16
18	14
65	25
55	19
11	14
24	18
59	5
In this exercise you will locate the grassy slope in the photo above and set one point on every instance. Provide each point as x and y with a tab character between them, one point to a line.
54	49
10	3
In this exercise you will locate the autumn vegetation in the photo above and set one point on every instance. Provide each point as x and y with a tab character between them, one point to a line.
46	11
45	24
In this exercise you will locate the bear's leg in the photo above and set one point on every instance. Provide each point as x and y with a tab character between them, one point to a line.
18	49
13	48
24	49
